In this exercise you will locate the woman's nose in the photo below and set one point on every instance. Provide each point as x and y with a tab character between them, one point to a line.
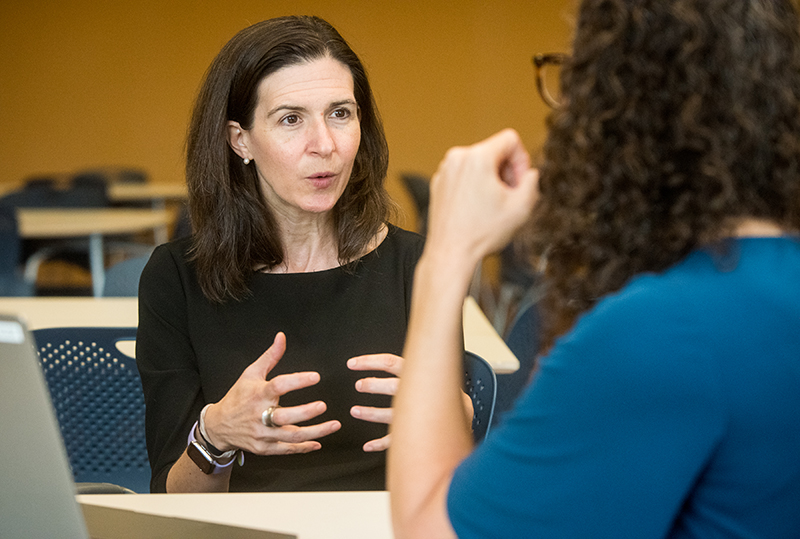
322	141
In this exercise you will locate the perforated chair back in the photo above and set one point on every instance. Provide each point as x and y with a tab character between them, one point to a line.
481	386
97	395
523	341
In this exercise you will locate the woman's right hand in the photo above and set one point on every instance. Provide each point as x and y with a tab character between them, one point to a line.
480	195
235	421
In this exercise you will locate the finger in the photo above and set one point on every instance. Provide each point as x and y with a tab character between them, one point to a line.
525	194
378	386
376	362
298	414
262	366
511	158
281	448
381	444
285	383
294	434
372	414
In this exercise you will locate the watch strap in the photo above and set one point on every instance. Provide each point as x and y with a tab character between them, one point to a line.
207	462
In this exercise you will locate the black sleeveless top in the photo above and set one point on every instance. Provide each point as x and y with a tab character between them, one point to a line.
190	352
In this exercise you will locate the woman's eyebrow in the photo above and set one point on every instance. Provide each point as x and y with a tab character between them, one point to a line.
290	108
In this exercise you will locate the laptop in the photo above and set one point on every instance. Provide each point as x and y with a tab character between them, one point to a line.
37	493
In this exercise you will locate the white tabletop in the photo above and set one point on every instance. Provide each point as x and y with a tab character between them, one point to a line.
481	338
72	222
49	312
309	515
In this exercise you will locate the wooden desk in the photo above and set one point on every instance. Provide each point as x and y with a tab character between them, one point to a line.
481	338
49	312
309	515
147	192
47	223
127	191
157	194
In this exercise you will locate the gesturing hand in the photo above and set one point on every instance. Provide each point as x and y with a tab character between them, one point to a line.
480	195
235	421
381	386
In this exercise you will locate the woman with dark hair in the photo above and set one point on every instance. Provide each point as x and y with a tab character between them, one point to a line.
666	402
290	253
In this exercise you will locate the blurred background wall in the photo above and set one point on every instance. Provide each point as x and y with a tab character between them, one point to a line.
92	83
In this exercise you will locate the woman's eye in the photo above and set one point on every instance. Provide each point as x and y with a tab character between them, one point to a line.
290	119
341	113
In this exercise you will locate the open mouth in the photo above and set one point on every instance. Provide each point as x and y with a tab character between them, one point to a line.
322	180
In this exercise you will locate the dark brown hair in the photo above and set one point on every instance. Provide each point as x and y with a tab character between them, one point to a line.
234	229
679	118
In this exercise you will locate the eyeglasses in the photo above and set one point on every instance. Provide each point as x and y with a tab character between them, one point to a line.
548	77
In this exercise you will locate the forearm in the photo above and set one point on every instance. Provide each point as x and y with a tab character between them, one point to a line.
479	197
430	433
185	476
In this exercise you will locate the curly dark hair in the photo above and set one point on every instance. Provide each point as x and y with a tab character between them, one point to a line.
234	230
679	118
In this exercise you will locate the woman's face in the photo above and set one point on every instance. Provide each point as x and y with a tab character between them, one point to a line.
304	137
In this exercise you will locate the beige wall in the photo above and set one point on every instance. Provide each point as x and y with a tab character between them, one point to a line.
97	83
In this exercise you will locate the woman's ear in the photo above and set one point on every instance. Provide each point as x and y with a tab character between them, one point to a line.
237	139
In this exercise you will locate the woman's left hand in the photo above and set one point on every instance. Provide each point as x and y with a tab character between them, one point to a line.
383	386
380	386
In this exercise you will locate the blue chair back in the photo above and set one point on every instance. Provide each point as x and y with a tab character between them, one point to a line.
98	399
480	384
122	279
523	341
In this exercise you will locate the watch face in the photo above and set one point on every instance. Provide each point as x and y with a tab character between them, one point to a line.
200	457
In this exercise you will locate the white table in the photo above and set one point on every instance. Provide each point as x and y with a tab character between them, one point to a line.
94	223
157	194
481	338
309	515
50	312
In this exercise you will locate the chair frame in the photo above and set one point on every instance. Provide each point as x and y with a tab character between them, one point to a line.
480	383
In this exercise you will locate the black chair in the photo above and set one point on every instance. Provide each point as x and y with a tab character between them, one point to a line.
523	341
418	188
11	281
130	175
517	278
480	384
97	395
87	190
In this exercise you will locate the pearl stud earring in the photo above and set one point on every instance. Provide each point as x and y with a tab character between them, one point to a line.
246	161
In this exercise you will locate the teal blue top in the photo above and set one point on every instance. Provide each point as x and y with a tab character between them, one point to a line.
672	409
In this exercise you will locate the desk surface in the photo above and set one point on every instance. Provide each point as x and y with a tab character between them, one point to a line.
125	191
479	335
309	515
48	312
63	223
136	192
